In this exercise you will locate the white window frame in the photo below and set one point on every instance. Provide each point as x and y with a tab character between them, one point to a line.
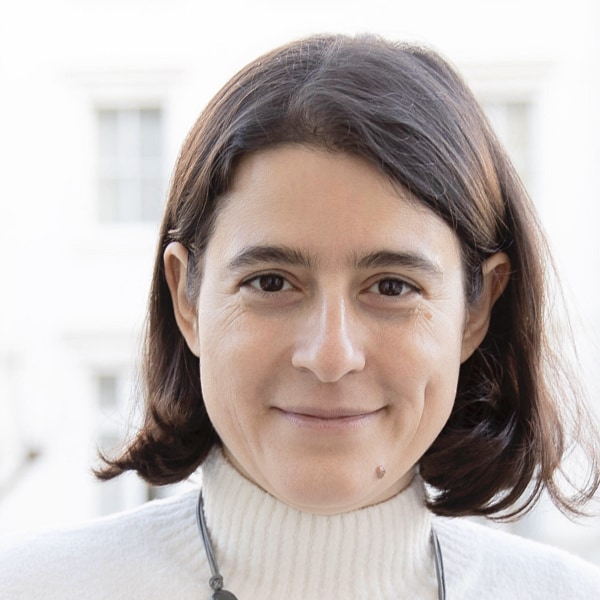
123	89
127	166
514	83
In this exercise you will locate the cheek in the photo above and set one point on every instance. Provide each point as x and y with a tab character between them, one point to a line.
239	359
425	362
427	394
440	389
219	329
430	345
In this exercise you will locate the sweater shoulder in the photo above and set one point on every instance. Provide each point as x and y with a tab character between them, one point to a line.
508	566
112	557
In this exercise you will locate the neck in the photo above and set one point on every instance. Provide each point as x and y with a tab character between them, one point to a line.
259	542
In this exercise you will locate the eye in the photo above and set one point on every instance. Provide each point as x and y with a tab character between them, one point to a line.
269	283
391	287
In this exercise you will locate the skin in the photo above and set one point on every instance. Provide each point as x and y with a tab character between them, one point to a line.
330	327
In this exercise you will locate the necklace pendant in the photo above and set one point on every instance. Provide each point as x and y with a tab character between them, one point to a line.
223	595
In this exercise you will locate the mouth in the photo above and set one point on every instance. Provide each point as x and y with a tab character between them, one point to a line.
322	418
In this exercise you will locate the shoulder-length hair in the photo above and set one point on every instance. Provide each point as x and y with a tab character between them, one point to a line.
406	111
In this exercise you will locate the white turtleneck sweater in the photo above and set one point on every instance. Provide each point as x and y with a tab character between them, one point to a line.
266	549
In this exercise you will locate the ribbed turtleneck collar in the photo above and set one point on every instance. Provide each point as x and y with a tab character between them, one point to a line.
267	549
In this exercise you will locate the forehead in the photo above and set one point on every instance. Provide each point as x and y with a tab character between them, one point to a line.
330	204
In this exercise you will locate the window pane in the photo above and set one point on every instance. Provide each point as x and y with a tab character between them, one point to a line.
108	133
108	200
151	199
129	134
511	121
517	126
129	200
108	391
150	133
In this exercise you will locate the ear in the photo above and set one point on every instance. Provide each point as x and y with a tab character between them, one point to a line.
496	274
186	314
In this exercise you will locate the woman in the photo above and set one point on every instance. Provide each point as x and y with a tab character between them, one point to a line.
346	331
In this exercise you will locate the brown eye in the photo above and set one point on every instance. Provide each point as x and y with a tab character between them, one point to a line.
392	287
269	282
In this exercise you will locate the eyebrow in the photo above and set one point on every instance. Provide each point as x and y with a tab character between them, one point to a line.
284	255
410	260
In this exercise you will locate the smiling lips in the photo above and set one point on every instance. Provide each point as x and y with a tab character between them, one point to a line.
320	418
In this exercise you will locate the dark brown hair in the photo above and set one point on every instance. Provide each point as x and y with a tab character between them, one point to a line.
406	111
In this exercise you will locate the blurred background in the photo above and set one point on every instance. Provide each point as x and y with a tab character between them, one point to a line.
95	101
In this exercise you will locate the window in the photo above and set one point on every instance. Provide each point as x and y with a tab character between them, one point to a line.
130	164
112	405
113	412
511	120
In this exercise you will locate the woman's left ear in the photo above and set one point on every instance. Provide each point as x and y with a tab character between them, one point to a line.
496	274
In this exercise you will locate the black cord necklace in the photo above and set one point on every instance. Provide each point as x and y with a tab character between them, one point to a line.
216	579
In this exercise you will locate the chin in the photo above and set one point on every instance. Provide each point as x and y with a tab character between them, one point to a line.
322	492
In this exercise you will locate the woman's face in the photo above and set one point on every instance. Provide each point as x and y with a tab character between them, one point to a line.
330	326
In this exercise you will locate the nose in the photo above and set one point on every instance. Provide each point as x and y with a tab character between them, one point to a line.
329	342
